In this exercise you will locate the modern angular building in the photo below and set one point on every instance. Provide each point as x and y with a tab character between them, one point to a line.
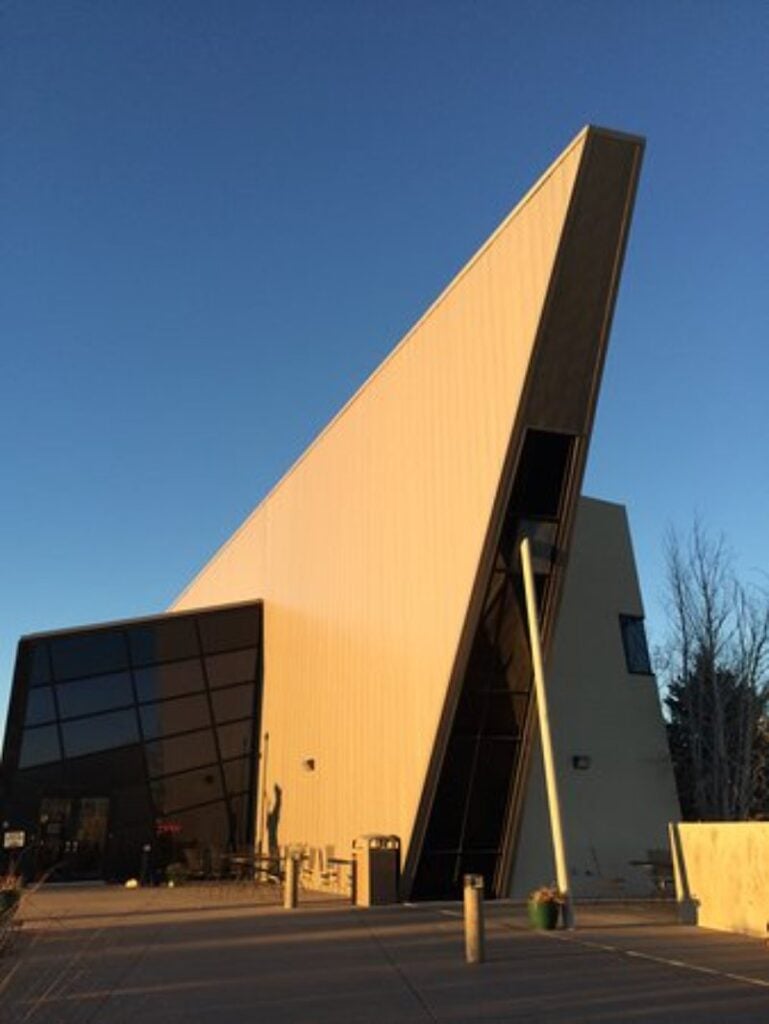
355	658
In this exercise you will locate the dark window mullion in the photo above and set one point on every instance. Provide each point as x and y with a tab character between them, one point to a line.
497	608
214	729
181	733
469	793
64	719
142	737
185	771
57	709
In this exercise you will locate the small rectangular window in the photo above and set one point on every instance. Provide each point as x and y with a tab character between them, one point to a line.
634	643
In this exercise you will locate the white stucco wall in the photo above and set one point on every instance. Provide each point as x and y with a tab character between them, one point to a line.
617	810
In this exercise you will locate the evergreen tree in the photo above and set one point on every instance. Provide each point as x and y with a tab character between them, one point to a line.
716	675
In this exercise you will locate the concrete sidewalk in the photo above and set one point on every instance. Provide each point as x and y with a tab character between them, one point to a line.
214	954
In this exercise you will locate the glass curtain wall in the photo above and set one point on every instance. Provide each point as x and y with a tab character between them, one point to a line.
466	827
136	735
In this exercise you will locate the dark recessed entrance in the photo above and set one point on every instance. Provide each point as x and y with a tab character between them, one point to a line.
72	836
470	814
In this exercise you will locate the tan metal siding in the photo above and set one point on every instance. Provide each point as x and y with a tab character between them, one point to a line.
366	552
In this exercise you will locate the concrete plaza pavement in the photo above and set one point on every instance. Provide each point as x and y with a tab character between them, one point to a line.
210	954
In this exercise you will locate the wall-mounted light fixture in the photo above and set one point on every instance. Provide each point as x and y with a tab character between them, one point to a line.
308	764
581	762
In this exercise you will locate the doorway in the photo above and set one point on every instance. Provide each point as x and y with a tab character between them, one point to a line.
73	833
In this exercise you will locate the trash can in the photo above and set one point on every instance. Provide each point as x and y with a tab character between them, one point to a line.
377	870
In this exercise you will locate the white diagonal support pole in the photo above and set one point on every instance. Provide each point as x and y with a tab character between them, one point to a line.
551	780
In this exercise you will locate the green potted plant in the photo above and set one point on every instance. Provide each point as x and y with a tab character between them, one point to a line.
176	873
544	906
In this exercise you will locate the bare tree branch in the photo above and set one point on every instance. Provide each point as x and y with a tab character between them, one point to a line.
717	675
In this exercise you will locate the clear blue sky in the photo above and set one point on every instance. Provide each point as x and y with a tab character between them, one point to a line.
218	217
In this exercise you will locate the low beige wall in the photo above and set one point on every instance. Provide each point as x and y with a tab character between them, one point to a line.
722	874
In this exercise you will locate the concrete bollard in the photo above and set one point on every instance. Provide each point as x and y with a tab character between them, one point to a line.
290	882
474	937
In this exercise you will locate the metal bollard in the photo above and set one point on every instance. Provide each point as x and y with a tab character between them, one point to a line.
144	873
290	882
474	938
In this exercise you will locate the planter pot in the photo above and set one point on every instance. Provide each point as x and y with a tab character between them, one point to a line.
544	915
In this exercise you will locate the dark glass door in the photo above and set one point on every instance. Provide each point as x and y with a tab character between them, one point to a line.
73	832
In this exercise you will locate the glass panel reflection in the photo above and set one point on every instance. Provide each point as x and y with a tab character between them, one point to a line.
88	654
236	702
170	639
233	667
112	687
175	792
39	666
237	775
101	732
162	681
180	715
40	706
235	740
468	819
39	746
98	693
166	757
230	628
202	830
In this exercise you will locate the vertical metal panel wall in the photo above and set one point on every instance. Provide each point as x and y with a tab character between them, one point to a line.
366	553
